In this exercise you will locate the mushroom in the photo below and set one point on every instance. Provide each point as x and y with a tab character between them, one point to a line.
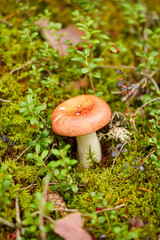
81	117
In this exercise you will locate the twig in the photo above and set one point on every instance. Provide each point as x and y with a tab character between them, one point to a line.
49	153
18	220
41	210
7	223
139	109
4	100
57	209
111	208
65	210
148	156
150	77
117	67
118	154
6	22
154	83
146	190
32	185
16	69
26	149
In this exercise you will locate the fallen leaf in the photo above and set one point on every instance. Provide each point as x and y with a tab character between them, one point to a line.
71	32
136	222
82	83
71	228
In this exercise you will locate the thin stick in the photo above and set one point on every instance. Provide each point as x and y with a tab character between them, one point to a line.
118	154
18	220
32	185
111	208
6	22
146	190
41	210
16	69
150	77
117	67
154	82
139	109
7	223
148	156
26	149
4	100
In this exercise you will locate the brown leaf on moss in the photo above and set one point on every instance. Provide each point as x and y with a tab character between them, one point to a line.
57	201
71	228
136	222
82	83
71	32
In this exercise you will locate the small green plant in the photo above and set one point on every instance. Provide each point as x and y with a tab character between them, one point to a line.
62	170
33	110
85	50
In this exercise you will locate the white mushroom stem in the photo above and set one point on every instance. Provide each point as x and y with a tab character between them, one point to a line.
84	143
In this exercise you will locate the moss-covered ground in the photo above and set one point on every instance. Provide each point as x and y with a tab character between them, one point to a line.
118	198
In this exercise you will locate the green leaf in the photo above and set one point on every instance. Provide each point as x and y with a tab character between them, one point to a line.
79	59
5	186
33	120
22	104
85	70
52	164
98	59
132	235
87	52
93	194
65	188
154	158
95	31
40	108
30	155
113	49
54	187
74	188
29	99
96	75
33	35
90	22
44	154
72	162
80	24
92	65
24	109
104	36
56	152
3	167
101	219
94	41
63	172
38	149
32	143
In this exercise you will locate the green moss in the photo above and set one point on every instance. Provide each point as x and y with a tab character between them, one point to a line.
49	79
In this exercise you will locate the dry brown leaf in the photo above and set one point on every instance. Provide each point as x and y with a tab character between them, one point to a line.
136	222
71	228
79	84
71	32
57	200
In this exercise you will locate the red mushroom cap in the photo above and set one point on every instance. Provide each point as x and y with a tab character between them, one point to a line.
80	115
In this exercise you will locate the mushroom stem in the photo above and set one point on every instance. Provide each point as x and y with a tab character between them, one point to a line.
84	143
